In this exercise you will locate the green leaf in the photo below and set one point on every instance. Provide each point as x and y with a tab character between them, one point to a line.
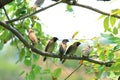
102	56
37	26
115	30
22	54
102	16
106	23
31	75
69	8
57	72
110	56
112	21
36	69
119	25
35	57
27	61
1	46
46	71
116	66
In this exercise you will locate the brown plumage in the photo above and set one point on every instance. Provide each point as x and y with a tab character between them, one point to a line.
32	36
50	46
72	49
86	51
62	47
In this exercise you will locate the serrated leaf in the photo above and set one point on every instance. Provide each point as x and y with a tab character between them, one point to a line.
106	23
75	34
112	21
115	30
57	72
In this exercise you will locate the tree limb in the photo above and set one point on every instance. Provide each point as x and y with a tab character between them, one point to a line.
40	10
97	10
4	2
21	38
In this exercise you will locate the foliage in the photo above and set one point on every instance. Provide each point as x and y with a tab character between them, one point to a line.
106	47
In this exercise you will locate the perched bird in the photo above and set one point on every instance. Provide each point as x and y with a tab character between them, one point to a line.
103	0
50	46
32	36
72	49
62	47
86	51
38	3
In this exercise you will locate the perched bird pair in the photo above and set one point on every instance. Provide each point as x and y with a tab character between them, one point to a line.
71	50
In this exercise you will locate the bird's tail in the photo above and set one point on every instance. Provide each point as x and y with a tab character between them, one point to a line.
44	59
60	57
63	61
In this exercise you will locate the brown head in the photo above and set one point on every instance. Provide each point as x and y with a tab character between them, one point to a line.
30	30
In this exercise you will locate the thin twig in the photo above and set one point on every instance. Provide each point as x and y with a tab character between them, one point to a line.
73	72
96	10
7	15
40	10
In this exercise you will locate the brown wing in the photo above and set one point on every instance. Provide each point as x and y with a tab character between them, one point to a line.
50	46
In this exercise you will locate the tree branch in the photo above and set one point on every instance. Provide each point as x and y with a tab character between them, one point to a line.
7	15
21	38
40	10
97	10
4	2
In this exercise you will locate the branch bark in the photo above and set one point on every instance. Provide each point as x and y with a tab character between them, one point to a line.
53	55
4	2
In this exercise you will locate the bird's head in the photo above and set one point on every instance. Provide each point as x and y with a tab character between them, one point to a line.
77	43
65	40
55	39
30	30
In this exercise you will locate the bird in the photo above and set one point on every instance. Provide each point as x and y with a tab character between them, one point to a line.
71	49
32	36
62	47
50	46
86	51
103	0
38	3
